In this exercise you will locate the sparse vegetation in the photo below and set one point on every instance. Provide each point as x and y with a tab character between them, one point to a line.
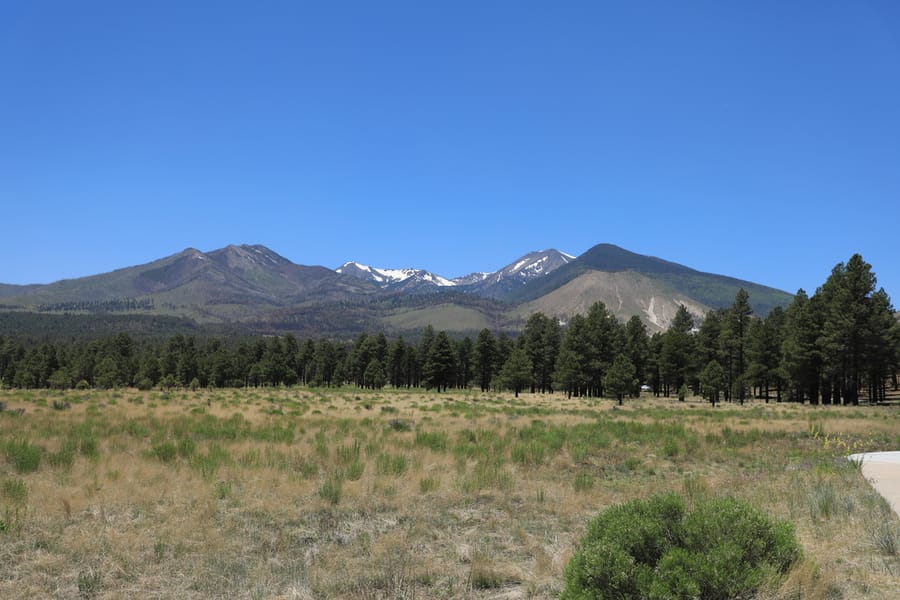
210	493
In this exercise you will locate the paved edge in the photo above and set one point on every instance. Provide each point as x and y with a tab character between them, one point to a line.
882	471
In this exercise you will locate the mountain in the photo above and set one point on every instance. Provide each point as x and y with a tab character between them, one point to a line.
250	288
498	285
232	282
504	283
630	283
407	280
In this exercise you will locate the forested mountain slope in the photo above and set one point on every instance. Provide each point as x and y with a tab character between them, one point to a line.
250	287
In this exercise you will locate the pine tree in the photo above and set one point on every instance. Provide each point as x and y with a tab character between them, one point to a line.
517	372
712	381
485	357
542	339
620	379
637	349
440	363
855	327
374	377
739	328
677	358
800	356
573	370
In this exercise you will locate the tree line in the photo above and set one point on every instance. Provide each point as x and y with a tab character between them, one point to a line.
838	346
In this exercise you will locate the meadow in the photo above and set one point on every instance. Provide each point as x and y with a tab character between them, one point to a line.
349	493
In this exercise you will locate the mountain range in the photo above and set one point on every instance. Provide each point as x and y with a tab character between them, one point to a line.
498	284
251	288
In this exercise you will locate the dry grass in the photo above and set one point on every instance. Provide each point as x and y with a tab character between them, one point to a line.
295	493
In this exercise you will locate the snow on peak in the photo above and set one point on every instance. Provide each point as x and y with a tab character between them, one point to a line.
388	277
530	266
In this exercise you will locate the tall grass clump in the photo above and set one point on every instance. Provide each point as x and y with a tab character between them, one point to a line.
348	454
391	464
64	457
25	457
487	474
435	440
165	452
661	548
209	463
15	491
332	489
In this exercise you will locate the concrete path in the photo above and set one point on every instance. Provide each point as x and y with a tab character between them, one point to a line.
882	470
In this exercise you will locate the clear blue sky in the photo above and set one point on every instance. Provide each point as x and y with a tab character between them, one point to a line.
755	139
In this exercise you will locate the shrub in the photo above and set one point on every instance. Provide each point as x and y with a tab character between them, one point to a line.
657	548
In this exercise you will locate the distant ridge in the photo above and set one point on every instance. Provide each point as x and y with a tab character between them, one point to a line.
252	287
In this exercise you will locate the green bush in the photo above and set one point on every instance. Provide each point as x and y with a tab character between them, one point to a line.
658	548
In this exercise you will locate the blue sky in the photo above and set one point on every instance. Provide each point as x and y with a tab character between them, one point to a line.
756	139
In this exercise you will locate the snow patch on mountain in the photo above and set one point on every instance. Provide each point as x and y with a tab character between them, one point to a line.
493	284
393	277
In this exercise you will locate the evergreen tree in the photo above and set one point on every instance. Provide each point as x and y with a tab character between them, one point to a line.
655	364
517	371
504	348
542	339
712	381
573	368
398	363
739	326
800	354
677	356
856	327
440	363
637	349
710	343
375	377
306	361
605	342
766	339
485	357
620	379
464	353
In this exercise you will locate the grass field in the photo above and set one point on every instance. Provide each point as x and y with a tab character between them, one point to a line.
344	493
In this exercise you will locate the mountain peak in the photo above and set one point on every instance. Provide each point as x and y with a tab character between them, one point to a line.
405	279
248	256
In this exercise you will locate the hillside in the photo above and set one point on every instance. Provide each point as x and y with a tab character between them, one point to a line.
662	282
625	293
250	288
